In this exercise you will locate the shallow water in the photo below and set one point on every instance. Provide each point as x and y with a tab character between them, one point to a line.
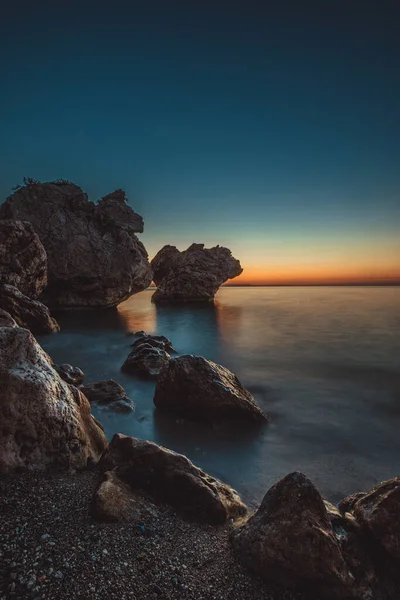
323	362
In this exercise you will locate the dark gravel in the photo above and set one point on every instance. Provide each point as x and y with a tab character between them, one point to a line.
50	548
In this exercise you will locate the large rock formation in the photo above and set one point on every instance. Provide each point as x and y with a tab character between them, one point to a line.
290	541
23	260
94	257
195	274
28	313
148	355
194	387
44	422
109	393
171	478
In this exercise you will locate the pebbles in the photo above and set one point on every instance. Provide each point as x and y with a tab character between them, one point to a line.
51	549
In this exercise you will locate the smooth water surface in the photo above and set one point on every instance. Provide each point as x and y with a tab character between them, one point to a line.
323	362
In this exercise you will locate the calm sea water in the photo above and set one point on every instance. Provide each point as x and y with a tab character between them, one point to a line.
323	362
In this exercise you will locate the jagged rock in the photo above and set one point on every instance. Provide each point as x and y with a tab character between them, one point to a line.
194	387
148	355
290	541
196	274
70	374
346	505
6	319
378	512
171	478
108	392
94	257
23	260
43	421
28	313
115	501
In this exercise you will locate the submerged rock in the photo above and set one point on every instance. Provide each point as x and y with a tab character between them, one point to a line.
94	257
108	392
43	421
148	355
196	274
23	260
28	313
70	374
171	478
194	387
290	541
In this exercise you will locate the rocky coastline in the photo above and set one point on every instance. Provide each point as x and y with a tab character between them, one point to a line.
86	517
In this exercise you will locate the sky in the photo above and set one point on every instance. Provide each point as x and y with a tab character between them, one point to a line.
272	128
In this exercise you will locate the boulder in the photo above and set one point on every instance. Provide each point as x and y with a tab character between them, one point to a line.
346	505
28	313
196	274
171	478
94	257
290	541
194	387
70	374
110	393
44	422
147	357
115	501
378	512
23	260
157	341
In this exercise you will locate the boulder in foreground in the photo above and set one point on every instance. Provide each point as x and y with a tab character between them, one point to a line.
171	478
44	422
109	393
94	258
194	387
290	541
28	313
194	275
23	260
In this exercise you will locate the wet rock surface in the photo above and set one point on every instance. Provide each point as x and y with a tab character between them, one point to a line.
109	393
43	422
194	387
23	260
70	374
148	355
170	477
94	257
28	313
194	275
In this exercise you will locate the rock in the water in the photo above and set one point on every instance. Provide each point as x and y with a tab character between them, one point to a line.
171	478
290	541
43	421
23	260
28	313
194	387
108	392
115	501
6	319
196	274
378	512
70	374
148	355
94	257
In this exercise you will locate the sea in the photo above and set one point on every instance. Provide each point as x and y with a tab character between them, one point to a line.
322	362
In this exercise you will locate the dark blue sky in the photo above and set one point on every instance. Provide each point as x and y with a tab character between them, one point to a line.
273	127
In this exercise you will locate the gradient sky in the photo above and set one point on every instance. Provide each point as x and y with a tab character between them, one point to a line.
269	127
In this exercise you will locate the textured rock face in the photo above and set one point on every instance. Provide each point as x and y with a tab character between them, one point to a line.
195	274
6	319
194	387
171	478
94	258
28	313
110	393
290	540
23	260
43	421
148	355
70	374
379	513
